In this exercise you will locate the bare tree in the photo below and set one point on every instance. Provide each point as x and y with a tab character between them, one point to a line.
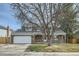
38	14
44	15
68	19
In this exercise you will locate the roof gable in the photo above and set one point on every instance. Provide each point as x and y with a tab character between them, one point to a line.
59	32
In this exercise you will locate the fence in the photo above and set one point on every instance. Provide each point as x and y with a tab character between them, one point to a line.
5	40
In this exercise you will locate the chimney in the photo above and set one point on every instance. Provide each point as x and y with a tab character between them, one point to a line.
7	31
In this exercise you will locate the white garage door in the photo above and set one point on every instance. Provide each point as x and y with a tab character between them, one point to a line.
22	39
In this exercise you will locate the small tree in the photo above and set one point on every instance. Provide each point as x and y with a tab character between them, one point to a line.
68	19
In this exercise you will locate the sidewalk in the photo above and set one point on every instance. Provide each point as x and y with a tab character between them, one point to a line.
51	54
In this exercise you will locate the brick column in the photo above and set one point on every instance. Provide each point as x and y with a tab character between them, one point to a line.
33	39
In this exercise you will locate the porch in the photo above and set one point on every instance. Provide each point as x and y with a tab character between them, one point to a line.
55	39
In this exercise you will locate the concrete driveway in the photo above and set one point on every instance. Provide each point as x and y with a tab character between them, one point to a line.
12	49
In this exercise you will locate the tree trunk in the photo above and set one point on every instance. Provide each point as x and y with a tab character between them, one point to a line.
47	33
49	40
49	43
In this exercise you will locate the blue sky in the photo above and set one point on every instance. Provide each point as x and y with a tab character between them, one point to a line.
7	18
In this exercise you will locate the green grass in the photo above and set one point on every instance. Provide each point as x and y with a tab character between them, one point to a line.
53	48
36	47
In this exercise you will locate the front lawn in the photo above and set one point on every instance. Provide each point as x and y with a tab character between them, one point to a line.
53	48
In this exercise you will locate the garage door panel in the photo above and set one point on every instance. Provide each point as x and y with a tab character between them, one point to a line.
22	39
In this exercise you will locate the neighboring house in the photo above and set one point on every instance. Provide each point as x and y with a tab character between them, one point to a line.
30	33
5	34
